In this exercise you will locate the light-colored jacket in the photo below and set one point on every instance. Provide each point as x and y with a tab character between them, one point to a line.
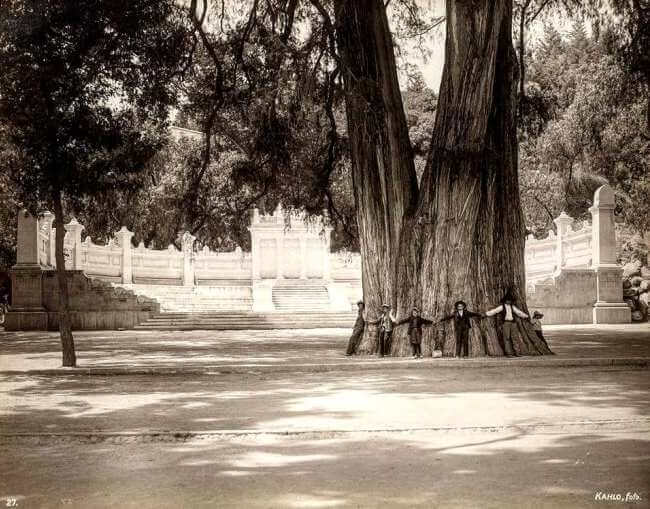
507	310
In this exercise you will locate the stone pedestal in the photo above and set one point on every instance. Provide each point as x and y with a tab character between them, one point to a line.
609	306
27	312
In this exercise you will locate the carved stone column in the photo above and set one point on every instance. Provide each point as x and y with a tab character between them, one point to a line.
609	306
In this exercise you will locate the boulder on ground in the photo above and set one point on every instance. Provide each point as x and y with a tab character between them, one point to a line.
636	280
632	268
637	316
645	298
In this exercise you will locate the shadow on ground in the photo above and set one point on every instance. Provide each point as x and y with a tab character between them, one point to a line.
482	470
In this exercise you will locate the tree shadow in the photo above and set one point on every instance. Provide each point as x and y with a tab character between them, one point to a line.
515	469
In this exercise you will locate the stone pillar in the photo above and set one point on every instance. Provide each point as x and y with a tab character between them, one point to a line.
609	306
73	228
562	222
124	237
187	243
27	310
48	221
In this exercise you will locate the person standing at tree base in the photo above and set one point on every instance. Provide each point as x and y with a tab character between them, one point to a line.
508	312
357	330
387	321
416	322
462	325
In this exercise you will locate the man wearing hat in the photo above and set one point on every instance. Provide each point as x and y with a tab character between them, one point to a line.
386	322
416	322
357	330
462	325
508	311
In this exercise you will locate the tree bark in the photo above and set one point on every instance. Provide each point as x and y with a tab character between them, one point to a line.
65	326
383	169
471	185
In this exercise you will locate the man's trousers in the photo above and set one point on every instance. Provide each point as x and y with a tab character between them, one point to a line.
385	337
462	343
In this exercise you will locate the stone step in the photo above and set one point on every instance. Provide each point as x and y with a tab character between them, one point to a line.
247	321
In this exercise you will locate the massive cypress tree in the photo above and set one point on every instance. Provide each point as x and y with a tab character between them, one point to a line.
461	235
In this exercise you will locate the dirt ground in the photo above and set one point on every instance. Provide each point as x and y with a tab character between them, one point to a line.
509	436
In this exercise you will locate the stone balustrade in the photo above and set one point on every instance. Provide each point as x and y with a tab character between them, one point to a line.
289	249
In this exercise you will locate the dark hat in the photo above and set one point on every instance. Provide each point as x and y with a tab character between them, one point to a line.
537	314
360	302
459	302
415	308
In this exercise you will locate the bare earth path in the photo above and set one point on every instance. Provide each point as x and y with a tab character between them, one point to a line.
503	437
273	349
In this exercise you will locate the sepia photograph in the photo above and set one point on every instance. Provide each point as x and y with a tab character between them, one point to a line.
325	254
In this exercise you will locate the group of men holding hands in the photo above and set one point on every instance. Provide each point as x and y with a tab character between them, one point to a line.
461	316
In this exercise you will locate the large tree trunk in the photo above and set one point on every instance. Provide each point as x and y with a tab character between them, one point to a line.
462	236
470	186
383	170
65	327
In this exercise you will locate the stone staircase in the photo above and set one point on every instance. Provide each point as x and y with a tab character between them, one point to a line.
301	298
246	321
195	299
227	307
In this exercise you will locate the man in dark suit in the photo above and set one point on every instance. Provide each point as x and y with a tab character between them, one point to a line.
462	326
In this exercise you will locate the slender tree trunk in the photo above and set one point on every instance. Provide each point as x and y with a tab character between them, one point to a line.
475	246
383	170
65	326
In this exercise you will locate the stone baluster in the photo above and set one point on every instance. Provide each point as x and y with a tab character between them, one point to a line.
124	237
609	306
48	221
255	251
74	229
303	257
327	267
187	243
562	222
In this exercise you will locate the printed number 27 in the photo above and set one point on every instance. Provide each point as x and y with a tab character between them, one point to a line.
11	502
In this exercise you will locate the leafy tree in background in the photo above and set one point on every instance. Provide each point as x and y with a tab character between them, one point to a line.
587	130
84	96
